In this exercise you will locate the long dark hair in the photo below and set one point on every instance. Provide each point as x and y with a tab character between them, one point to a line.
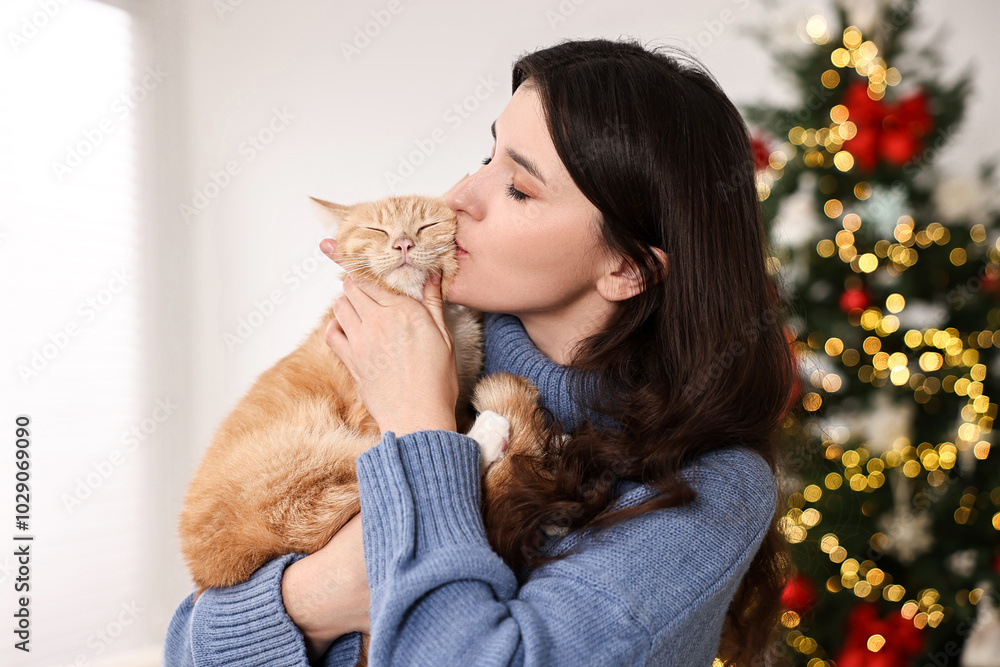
696	361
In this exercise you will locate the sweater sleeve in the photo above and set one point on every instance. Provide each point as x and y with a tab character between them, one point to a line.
652	590
440	595
246	624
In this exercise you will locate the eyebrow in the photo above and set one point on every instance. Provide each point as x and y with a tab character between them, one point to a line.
528	165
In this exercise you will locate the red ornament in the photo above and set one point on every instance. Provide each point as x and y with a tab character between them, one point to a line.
892	132
761	152
799	594
991	281
902	639
854	297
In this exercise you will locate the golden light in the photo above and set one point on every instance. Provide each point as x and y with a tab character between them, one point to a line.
930	361
839	114
895	303
981	450
817	30
812	401
789	619
894	593
834	347
840	57
833	208
852	37
843	161
868	262
847	130
852	222
867	50
830	78
875	643
870	319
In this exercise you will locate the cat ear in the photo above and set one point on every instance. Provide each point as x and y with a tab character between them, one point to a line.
332	214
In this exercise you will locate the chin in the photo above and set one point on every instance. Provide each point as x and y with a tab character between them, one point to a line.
408	281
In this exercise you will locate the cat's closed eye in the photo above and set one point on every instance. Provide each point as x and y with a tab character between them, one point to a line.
430	225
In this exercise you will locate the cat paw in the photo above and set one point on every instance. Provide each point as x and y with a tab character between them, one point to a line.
492	432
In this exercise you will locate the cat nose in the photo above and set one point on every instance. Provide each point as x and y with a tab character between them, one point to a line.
403	244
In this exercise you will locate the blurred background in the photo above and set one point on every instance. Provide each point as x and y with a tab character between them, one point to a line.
157	250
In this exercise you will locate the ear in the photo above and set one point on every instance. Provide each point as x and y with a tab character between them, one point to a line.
333	215
623	281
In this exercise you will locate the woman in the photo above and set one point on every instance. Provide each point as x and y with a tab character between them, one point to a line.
616	227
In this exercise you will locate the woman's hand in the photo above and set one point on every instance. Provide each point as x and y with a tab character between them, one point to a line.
326	593
399	352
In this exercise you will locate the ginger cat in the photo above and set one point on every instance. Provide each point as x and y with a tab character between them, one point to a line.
279	475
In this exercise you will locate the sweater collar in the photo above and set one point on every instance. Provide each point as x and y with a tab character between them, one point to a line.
509	349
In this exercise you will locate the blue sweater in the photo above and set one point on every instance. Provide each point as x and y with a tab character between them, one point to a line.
653	590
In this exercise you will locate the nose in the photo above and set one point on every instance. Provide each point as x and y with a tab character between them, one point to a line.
403	244
466	195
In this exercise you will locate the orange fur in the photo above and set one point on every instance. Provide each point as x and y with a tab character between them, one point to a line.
279	475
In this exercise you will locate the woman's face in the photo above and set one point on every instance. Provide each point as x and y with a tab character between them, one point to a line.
528	238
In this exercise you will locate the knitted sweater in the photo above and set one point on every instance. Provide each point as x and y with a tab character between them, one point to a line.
653	590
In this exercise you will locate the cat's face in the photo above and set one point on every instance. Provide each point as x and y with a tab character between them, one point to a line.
395	242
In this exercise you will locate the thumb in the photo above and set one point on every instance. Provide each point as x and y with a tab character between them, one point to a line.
433	299
329	248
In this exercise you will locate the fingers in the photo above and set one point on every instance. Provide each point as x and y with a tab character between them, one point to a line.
329	248
346	313
434	301
337	341
363	294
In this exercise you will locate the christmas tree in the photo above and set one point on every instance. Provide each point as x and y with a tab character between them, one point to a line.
890	274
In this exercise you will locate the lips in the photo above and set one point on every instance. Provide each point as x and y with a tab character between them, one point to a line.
461	251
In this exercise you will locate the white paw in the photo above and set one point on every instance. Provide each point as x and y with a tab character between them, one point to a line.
491	431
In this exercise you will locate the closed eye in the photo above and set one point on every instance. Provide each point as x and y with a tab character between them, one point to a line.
376	229
430	225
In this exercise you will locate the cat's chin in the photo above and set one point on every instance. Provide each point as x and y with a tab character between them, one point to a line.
408	280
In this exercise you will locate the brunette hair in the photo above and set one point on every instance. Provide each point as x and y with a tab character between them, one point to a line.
698	360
